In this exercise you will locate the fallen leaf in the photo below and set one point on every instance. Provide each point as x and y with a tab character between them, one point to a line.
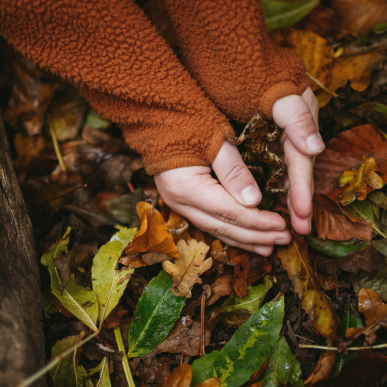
218	254
335	249
103	370
187	269
152	258
183	338
212	382
248	267
323	367
178	227
346	152
375	312
150	369
246	351
327	282
133	262
93	120
221	287
115	317
375	281
367	369
152	235
283	368
332	224
155	315
180	377
295	260
259	372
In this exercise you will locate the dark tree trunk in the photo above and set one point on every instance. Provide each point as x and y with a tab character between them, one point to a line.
21	334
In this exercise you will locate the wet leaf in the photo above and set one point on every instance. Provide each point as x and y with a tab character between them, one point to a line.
156	313
178	227
280	14
335	249
375	281
63	373
180	377
246	351
295	259
115	317
212	382
103	370
221	287
349	321
152	235
248	267
108	282
80	301
187	269
183	338
282	367
375	312
323	368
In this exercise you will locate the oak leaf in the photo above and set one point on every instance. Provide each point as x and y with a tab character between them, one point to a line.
153	235
187	269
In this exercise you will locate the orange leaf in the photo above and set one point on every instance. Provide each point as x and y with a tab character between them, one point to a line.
323	367
295	259
180	377
178	227
212	382
153	234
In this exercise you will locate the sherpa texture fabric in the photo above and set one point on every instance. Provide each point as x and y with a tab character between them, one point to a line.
174	116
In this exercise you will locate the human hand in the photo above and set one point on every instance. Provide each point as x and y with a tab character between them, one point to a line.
300	141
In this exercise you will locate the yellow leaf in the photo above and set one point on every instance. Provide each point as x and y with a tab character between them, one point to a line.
180	377
186	270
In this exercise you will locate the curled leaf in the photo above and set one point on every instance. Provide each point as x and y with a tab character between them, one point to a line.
180	377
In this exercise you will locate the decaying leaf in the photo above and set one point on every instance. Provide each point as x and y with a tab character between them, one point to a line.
177	226
183	338
115	317
152	258
295	259
153	235
323	367
221	287
375	281
187	269
180	377
212	382
150	369
248	267
375	312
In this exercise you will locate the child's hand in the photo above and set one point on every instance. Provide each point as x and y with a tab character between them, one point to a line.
228	210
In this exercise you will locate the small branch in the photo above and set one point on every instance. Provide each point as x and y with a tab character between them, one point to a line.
202	341
55	143
347	349
318	83
125	362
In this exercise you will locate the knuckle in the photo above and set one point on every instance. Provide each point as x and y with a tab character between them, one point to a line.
227	216
235	173
221	230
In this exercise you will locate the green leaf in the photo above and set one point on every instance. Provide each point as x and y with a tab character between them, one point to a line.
379	198
250	346
380	245
47	304
95	121
335	249
109	283
103	369
282	367
349	321
376	281
80	301
280	14
63	374
380	28
157	310
238	310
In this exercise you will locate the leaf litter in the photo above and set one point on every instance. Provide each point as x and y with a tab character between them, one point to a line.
101	284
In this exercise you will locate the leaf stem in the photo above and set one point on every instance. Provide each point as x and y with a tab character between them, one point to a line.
318	83
125	362
55	143
347	349
202	341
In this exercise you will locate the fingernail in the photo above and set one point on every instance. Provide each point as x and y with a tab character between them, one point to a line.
315	143
281	241
261	251
250	195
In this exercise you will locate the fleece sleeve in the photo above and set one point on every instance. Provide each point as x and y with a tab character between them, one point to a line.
114	56
226	48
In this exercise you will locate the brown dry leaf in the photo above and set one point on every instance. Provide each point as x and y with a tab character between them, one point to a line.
184	338
259	372
187	269
327	282
115	317
295	259
152	258
346	152
153	235
212	382
367	369
180	377
248	267
221	287
132	262
178	227
375	312
359	181
218	254
150	369
323	367
331	223
361	16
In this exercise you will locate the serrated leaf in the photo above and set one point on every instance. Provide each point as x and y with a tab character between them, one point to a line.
103	369
157	311
281	14
246	351
63	373
80	301
108	282
282	367
335	249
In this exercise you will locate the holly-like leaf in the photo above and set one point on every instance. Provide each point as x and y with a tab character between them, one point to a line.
80	301
282	367
280	14
295	259
108	282
246	351
187	269
157	311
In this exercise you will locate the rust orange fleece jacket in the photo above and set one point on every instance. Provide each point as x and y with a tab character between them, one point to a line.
174	116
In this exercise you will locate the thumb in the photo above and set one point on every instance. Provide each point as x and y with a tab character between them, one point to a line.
235	177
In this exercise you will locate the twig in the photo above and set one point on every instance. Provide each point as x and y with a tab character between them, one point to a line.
55	143
318	83
347	349
203	304
125	362
181	359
